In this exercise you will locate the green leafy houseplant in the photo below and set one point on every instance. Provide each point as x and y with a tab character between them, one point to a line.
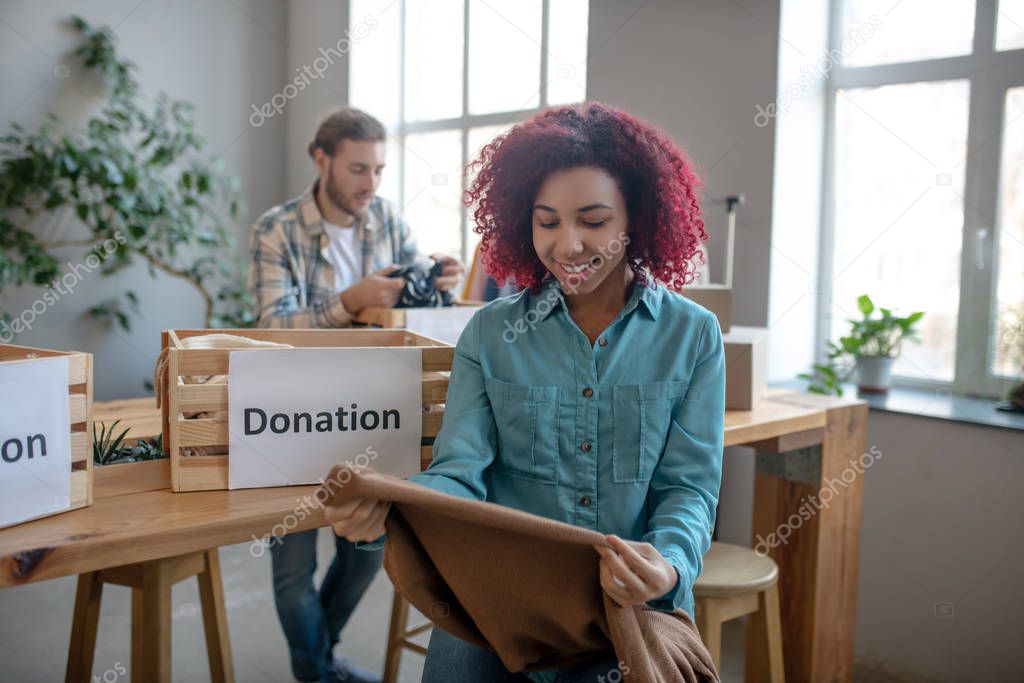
872	339
136	179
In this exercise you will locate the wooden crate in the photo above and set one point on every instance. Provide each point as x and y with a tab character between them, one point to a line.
141	418
80	412
210	472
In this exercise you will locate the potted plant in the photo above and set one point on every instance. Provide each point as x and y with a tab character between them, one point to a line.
1011	343
869	350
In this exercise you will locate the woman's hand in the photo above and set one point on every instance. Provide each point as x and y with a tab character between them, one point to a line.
359	519
633	573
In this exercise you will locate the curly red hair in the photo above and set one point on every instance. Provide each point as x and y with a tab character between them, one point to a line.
655	177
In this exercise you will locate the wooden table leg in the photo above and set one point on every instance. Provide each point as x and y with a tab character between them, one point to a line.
215	619
817	555
137	635
84	628
155	631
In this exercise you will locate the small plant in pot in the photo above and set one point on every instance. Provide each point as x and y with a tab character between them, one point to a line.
1011	343
873	344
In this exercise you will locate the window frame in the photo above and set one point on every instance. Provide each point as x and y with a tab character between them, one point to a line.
466	121
989	74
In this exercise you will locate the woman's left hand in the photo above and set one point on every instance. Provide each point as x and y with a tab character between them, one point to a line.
633	573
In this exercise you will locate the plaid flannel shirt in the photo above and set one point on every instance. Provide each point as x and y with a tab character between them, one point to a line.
291	279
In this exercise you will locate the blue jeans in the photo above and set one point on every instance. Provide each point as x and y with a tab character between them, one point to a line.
312	620
453	660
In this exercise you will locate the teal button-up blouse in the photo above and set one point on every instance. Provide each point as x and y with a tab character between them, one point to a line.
623	436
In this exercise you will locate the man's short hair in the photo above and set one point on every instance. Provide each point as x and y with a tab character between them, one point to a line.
345	123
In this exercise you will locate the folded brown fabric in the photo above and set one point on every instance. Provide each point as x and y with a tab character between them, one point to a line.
525	586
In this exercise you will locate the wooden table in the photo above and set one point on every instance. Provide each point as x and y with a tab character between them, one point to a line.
803	441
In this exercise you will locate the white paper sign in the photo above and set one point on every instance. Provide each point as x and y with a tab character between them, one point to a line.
35	439
295	413
442	323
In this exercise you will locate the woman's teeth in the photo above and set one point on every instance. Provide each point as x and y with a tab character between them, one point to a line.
574	269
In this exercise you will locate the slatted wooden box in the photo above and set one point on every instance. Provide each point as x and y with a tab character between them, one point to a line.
79	409
183	399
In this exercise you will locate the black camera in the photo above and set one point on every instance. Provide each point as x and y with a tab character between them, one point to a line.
420	290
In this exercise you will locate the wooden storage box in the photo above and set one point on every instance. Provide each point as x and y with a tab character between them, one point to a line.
210	471
79	410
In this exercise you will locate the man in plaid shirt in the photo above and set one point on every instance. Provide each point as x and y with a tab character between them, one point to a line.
317	261
322	257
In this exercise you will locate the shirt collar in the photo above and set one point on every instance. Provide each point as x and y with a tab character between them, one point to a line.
646	294
313	220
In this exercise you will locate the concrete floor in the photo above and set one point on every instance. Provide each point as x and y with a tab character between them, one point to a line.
35	623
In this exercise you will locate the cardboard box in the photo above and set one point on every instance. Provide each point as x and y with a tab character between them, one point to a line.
746	357
715	298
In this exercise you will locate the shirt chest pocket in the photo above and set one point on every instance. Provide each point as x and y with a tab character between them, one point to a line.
642	415
527	421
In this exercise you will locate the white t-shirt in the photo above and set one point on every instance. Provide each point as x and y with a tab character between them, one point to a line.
344	254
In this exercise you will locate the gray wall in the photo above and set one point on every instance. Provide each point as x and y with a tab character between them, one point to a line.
943	522
313	26
222	56
697	69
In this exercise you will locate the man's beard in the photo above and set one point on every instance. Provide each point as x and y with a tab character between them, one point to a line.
338	199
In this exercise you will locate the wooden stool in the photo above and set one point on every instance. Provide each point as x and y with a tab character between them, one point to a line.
151	616
399	638
737	581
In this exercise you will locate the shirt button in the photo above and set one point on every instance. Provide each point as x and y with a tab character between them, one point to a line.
585	501
588	392
602	341
585	446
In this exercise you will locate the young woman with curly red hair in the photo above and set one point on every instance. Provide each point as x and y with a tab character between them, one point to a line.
596	396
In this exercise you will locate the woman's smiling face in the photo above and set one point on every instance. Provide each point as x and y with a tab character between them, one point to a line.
579	227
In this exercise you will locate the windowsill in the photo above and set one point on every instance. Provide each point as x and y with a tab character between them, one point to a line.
930	404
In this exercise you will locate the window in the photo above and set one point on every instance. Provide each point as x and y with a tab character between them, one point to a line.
431	73
925	182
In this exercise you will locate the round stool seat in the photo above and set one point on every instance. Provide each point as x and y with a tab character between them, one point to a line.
731	570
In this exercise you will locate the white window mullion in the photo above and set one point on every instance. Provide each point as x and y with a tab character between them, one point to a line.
977	265
826	261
